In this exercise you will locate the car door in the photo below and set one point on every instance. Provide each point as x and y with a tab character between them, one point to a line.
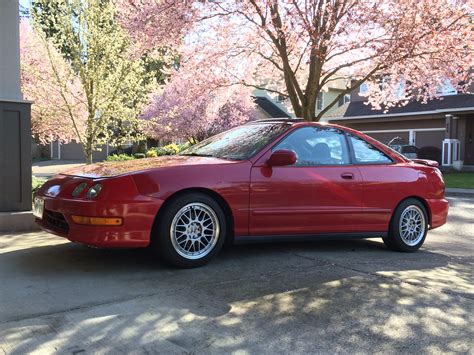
384	183
320	193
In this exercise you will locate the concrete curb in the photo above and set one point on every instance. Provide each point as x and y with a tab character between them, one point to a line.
460	192
17	222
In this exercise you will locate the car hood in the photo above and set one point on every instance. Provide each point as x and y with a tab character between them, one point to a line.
110	169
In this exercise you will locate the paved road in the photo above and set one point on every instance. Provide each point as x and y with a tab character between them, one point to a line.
49	168
323	297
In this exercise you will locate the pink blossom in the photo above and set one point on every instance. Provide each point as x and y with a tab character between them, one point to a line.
297	47
49	84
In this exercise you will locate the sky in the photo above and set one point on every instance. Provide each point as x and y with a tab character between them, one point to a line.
24	3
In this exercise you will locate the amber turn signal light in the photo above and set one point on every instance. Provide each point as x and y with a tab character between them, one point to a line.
98	221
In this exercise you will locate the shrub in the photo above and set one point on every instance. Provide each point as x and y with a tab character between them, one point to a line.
431	153
120	157
170	149
151	153
36	183
139	155
184	146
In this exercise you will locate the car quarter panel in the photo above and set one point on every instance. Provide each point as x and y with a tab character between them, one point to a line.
385	186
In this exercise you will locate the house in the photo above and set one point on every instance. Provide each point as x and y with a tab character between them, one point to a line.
67	151
446	123
275	107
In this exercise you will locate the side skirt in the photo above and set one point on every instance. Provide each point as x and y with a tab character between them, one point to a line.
306	237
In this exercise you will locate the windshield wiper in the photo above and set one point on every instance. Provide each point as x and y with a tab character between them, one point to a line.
198	155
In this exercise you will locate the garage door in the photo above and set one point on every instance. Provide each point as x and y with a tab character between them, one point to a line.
429	139
386	137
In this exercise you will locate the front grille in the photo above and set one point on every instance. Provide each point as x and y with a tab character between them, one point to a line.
57	220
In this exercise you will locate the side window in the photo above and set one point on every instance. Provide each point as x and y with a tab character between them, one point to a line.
316	146
366	153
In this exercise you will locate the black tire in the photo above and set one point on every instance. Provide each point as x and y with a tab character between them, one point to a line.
394	240
163	241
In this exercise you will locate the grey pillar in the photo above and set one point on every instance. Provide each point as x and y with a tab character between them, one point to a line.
15	117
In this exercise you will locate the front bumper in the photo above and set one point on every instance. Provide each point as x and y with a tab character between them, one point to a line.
439	212
138	218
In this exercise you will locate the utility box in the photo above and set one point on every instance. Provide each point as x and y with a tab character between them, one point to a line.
15	156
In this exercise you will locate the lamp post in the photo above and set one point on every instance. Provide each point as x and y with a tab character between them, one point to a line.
15	117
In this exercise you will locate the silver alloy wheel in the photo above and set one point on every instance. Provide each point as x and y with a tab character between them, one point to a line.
194	231
412	225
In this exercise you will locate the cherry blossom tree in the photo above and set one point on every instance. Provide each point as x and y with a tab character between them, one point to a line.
48	81
79	74
197	102
402	49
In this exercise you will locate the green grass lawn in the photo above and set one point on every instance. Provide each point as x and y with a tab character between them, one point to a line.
459	180
36	183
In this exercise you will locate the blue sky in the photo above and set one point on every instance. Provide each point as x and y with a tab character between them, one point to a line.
25	3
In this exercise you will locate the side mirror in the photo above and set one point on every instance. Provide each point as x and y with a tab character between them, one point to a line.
282	158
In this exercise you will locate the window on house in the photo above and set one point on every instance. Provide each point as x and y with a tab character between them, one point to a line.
363	88
320	101
446	88
344	99
401	89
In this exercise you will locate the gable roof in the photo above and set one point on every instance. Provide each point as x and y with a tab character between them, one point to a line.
445	104
269	107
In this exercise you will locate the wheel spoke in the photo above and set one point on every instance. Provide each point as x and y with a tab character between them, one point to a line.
194	230
412	225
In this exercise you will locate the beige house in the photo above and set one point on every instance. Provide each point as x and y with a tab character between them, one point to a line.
446	123
273	106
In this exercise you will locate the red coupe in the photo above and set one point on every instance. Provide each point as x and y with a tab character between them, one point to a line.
266	180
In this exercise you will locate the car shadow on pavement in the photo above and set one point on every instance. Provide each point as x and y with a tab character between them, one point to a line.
322	296
72	258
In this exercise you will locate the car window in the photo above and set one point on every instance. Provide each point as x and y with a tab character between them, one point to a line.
366	153
316	146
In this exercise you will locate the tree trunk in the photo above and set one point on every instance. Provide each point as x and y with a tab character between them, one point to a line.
309	112
88	151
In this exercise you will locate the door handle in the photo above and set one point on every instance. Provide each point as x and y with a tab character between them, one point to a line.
348	176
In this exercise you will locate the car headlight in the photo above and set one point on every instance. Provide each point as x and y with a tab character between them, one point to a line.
94	191
78	189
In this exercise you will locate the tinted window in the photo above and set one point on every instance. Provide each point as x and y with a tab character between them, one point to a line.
316	146
366	153
239	143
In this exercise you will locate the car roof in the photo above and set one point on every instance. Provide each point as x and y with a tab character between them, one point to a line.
278	119
294	121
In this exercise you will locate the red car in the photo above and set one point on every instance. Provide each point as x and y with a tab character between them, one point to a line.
266	180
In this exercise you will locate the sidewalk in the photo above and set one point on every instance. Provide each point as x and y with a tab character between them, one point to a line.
49	168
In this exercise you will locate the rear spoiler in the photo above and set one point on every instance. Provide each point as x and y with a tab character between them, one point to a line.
426	162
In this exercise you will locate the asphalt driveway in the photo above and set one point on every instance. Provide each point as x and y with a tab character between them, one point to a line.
321	297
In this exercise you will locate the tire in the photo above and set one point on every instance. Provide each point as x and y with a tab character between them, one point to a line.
408	227
190	230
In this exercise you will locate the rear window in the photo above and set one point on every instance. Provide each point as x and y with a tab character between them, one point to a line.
366	153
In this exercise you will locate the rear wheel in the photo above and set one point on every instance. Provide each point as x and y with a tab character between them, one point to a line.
190	231
408	227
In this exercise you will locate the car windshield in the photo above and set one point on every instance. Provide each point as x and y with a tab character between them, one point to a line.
239	143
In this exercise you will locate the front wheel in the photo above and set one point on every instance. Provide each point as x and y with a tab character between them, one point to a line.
190	231
408	227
